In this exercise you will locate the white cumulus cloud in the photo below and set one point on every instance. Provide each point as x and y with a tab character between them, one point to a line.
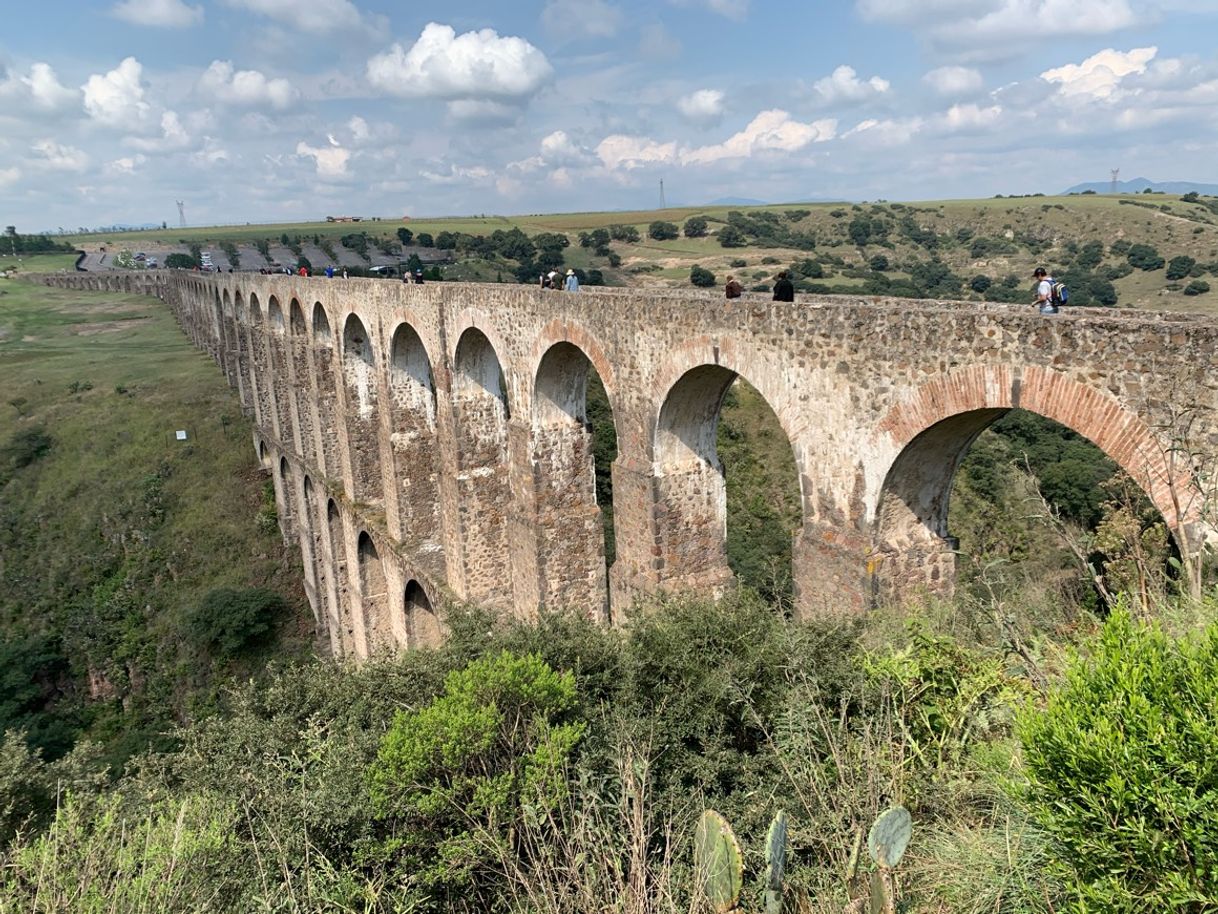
245	87
116	98
312	16
166	14
844	85
971	117
330	161
39	89
127	164
705	106
59	157
770	131
954	80
732	9
173	136
994	28
470	66
627	152
1100	75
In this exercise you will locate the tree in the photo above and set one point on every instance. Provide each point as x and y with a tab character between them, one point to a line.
1145	257
424	240
661	231
405	235
701	277
879	263
695	227
446	241
980	283
413	263
179	262
860	230
1197	287
625	233
1180	267
732	237
1191	197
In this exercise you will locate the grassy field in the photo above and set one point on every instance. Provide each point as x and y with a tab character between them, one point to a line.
1037	230
115	531
37	263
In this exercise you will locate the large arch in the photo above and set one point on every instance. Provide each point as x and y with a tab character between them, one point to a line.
277	363
327	392
362	411
325	580
568	521
229	330
374	595
480	422
423	627
413	439
931	432
301	373
691	492
244	371
260	364
285	501
336	549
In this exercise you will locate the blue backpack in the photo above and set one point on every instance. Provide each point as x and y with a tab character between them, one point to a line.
1059	294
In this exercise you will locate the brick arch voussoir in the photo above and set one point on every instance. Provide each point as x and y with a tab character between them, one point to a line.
1090	411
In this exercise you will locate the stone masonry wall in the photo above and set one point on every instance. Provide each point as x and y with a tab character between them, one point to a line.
484	484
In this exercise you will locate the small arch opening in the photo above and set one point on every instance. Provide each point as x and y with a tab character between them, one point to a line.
423	626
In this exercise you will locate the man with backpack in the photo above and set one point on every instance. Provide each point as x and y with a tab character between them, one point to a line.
1050	294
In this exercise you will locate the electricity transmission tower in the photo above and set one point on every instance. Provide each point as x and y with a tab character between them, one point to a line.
181	213
1116	173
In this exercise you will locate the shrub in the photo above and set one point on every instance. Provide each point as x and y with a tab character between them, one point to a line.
494	745
1180	267
26	446
1197	287
701	277
661	231
980	283
179	261
1121	772
879	263
1145	257
626	233
230	622
731	237
695	227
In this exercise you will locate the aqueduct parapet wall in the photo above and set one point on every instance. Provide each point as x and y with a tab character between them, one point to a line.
429	443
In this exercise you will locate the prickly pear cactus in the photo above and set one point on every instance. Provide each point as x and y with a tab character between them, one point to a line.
890	836
718	865
775	863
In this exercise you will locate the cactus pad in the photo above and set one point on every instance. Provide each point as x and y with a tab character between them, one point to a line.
717	862
890	836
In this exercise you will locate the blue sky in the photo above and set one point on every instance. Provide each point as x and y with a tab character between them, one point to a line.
267	110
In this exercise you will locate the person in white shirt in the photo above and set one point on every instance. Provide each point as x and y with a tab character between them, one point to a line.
1044	291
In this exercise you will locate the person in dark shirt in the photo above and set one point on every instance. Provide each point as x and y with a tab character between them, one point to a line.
784	289
733	289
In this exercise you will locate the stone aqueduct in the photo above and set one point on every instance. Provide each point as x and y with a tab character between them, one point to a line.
429	443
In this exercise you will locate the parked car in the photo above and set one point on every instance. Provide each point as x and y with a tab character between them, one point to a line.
383	271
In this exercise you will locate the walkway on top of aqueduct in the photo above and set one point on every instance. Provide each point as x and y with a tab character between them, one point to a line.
430	442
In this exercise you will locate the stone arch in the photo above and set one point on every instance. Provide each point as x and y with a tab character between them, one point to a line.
413	439
323	577
336	549
374	594
302	394
423	626
480	422
690	485
930	433
286	503
362	410
260	369
569	525
327	392
264	456
241	339
281	393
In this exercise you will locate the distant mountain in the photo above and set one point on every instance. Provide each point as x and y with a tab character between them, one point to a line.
736	201
1137	185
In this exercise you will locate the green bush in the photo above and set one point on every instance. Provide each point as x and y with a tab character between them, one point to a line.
661	231
701	277
26	447
1180	267
1197	287
1122	773
470	766
695	227
230	622
1145	257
